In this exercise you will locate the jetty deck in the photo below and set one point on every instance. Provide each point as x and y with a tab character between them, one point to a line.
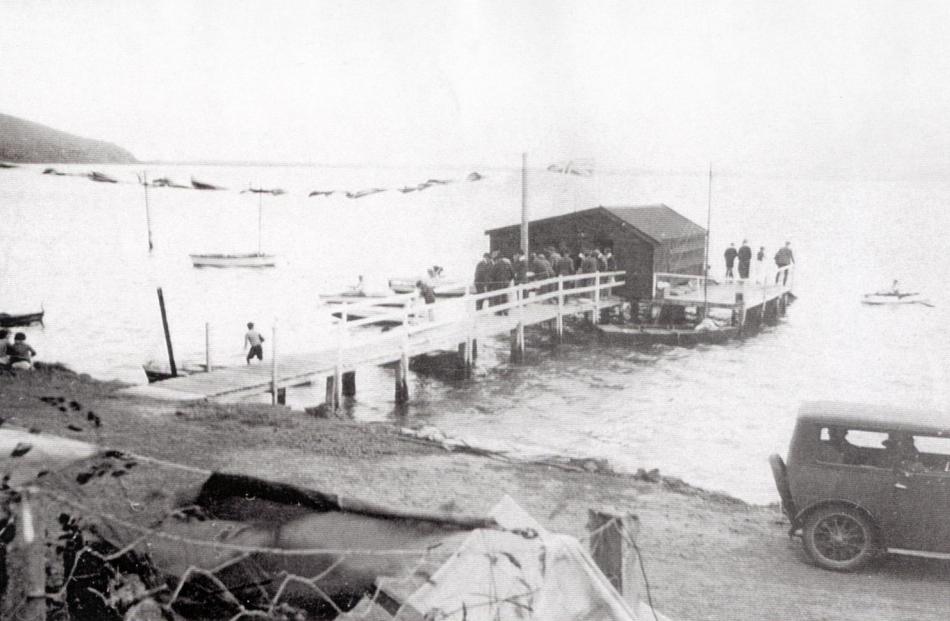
447	325
688	290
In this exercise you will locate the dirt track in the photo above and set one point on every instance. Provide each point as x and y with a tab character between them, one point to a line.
706	556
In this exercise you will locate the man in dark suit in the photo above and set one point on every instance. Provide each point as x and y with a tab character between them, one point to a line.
745	259
482	271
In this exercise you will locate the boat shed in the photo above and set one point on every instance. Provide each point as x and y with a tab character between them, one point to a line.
644	239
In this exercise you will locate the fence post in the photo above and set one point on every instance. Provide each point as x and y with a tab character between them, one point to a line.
33	530
612	550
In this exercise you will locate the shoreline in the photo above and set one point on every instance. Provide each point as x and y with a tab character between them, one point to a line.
707	555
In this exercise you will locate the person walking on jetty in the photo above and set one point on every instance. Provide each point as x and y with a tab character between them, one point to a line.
745	259
21	354
760	265
730	256
428	295
482	271
500	277
253	338
784	258
611	260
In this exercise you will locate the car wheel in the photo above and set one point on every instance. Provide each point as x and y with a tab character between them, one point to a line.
839	538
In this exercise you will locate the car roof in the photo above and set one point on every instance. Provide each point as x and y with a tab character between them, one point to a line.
876	417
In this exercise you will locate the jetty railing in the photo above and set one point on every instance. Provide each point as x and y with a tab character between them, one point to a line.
449	322
780	280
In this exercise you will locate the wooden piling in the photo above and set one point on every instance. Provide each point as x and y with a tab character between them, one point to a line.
740	312
168	336
402	383
349	384
281	396
207	346
330	398
273	365
611	546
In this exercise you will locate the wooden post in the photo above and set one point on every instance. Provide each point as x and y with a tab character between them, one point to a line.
402	382
33	530
595	315
273	365
281	396
559	321
740	312
517	350
207	347
613	552
148	213
338	368
168	337
349	384
330	398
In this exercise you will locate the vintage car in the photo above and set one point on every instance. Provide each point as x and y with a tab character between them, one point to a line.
864	480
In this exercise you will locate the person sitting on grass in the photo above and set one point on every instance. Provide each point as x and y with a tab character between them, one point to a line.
21	354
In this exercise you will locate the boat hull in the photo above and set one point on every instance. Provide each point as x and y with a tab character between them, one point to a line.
892	300
637	335
26	319
233	260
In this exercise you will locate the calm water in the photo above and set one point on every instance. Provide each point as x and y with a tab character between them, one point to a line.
710	415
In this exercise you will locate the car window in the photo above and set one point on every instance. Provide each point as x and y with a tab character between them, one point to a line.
854	447
933	453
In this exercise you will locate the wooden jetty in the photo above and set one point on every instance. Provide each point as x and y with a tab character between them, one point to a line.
447	325
681	301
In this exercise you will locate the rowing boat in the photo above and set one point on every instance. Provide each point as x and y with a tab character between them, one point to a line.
8	321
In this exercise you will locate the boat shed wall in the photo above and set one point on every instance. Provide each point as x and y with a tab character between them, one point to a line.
583	231
644	240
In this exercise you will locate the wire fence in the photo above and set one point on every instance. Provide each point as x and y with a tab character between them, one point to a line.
78	544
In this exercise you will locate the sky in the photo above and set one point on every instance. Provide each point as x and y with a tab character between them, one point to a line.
802	85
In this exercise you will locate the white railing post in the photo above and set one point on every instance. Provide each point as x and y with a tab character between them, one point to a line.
653	291
596	315
559	324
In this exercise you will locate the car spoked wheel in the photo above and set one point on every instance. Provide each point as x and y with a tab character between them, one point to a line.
839	538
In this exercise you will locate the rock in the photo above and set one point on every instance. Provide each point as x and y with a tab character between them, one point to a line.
146	610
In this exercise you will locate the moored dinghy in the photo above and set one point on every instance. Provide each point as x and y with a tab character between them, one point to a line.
8	320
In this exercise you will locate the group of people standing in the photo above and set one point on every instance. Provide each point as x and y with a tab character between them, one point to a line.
18	354
742	258
496	271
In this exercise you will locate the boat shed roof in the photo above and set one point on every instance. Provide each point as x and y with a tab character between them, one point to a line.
657	222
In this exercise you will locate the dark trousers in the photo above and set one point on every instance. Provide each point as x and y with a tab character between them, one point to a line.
480	288
782	275
743	270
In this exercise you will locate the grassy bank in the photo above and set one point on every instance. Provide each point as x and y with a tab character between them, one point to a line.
706	555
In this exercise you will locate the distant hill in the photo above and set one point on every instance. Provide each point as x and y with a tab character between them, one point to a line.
25	141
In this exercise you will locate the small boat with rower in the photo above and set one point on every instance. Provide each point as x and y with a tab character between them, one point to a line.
894	297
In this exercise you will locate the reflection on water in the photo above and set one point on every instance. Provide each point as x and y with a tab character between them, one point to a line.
708	414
